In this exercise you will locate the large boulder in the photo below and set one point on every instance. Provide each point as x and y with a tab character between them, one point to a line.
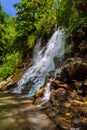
76	69
58	95
6	84
38	95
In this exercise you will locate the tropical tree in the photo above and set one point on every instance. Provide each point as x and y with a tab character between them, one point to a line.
9	57
35	18
73	16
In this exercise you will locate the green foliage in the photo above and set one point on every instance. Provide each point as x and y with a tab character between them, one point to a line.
73	17
35	17
31	41
65	11
9	57
7	35
1	15
10	62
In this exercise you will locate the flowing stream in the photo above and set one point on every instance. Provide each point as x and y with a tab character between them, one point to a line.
45	59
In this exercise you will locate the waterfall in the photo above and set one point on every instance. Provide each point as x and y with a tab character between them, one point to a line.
46	96
43	63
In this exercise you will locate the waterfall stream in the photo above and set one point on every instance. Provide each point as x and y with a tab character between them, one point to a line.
44	61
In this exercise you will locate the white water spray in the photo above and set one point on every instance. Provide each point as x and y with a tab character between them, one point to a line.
42	63
46	93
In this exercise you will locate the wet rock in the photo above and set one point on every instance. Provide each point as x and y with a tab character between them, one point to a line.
38	96
58	95
56	62
67	104
73	94
6	84
51	75
40	92
83	127
85	83
36	101
63	123
84	111
51	114
27	87
84	88
55	84
80	123
64	85
77	103
45	104
76	69
59	84
81	87
3	85
78	85
59	77
47	79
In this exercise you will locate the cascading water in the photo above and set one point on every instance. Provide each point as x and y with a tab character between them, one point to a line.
43	63
46	96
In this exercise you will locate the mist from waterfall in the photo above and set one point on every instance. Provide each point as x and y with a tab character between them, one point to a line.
43	63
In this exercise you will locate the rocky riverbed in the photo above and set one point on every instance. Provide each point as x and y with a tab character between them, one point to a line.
66	108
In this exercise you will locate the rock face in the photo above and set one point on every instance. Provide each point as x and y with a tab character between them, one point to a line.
38	95
76	69
6	84
59	95
67	106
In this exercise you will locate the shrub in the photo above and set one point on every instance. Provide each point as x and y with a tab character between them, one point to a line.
10	63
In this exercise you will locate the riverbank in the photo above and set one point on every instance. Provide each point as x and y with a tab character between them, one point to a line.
67	106
65	109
